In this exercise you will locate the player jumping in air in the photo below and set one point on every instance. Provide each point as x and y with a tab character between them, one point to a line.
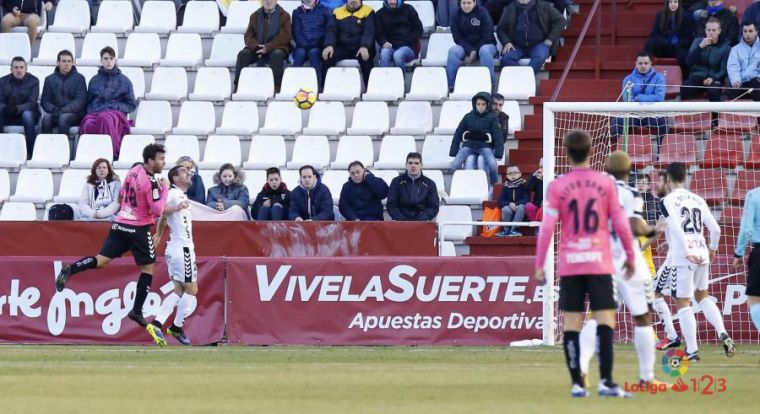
750	231
142	200
180	258
584	201
687	214
636	292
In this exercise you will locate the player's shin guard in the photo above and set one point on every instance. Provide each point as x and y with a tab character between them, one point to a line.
184	307
166	308
663	311
143	287
754	312
712	314
588	344
572	353
643	339
85	263
604	341
688	328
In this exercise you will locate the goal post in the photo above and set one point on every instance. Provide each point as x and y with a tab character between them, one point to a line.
719	142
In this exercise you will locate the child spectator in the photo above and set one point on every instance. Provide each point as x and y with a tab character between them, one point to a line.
273	202
100	195
512	201
311	200
533	208
644	186
361	198
229	190
478	134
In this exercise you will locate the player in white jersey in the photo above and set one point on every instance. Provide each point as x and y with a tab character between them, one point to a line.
687	214
635	291
180	257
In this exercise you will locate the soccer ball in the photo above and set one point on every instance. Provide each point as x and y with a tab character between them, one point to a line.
305	98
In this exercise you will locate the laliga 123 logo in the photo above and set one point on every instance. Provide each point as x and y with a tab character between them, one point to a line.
675	364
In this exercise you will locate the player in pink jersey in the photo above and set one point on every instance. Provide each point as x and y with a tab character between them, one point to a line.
142	199
584	201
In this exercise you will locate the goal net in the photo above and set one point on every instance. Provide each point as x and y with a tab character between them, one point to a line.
720	144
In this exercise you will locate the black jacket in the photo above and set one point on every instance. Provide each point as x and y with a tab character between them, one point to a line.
64	94
351	30
26	6
400	27
20	92
552	23
474	126
729	25
280	195
685	32
412	199
363	201
197	191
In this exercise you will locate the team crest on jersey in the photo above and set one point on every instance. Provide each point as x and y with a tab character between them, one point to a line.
475	21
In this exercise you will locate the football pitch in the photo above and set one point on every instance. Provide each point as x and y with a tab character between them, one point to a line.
233	379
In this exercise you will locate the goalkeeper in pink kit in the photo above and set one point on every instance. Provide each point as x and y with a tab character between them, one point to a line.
584	201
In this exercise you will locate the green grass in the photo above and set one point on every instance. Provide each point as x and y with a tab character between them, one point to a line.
115	379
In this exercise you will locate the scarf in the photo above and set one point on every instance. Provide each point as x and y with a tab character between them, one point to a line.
267	32
514	183
714	9
282	188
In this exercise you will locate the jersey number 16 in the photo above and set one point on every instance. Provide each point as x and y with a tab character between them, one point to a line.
590	216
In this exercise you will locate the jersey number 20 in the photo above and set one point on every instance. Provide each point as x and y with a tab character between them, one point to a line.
692	220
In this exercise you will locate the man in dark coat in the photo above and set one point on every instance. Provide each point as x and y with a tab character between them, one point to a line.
398	32
350	35
529	28
18	101
412	196
311	200
64	96
361	198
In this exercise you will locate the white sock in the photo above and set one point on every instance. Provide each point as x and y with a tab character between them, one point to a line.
643	339
185	306
167	307
688	328
587	340
663	311
712	314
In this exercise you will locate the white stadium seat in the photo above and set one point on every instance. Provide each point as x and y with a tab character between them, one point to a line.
385	84
71	16
282	118
114	17
290	178
93	43
386	175
370	118
157	17
468	187
447	249
342	84
393	151
207	177
221	149
131	150
334	180
5	182
455	213
212	84
289	6
143	49
195	118
437	177
255	84
50	151
180	145
326	118
72	182
168	84
254	180
153	117
435	151
471	80
428	84
517	82
239	118
13	154
512	108
200	17
266	151
452	113
88	72
51	44
295	79
225	48
33	185
14	44
183	49
90	148
239	15
438	49
413	118
311	150
354	148
40	72
137	77
18	211
375	4
426	13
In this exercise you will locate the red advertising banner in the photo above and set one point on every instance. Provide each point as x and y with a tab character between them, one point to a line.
93	308
382	300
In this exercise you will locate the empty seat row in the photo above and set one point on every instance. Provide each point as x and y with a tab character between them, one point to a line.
723	150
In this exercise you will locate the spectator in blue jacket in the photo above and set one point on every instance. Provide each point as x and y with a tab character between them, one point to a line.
64	96
472	29
333	4
197	191
512	200
672	34
744	64
229	190
644	84
309	28
398	32
18	101
311	200
350	35
361	198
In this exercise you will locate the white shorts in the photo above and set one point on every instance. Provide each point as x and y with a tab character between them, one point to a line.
690	278
665	281
181	264
636	292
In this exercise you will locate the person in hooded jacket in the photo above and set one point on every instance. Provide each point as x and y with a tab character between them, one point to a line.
398	31
229	190
64	96
472	29
361	198
311	200
309	27
273	202
643	84
479	133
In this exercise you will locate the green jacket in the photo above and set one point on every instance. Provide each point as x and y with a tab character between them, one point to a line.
710	62
476	125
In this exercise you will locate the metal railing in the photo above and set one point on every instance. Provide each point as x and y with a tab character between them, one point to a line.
443	224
